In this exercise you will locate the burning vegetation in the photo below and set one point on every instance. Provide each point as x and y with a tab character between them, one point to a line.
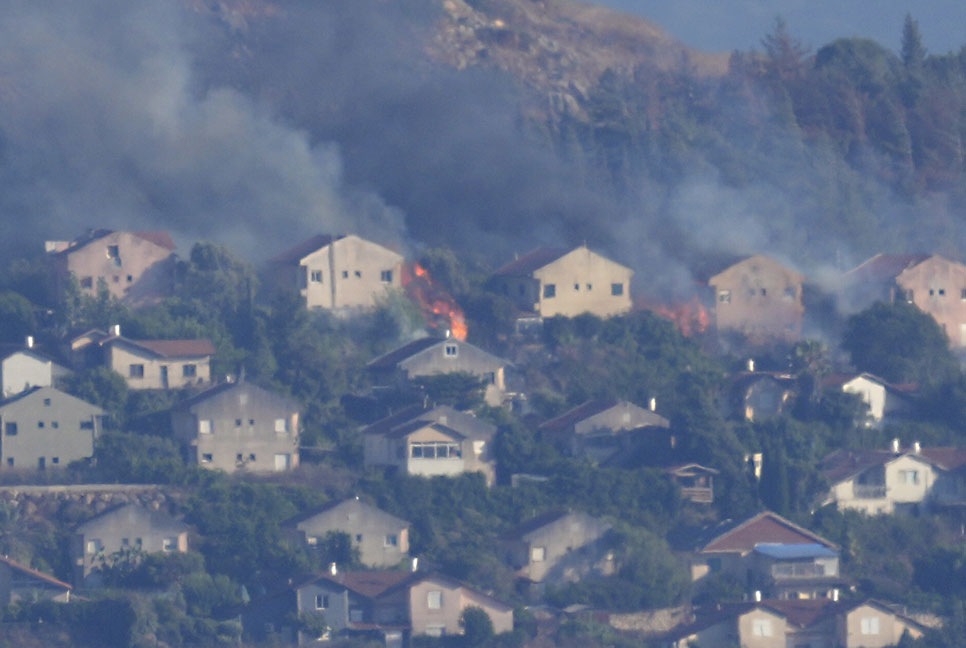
691	317
438	306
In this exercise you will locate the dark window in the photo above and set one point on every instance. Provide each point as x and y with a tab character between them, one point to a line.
46	402
251	421
345	274
87	282
942	291
724	296
239	457
10	461
550	290
206	457
251	457
114	254
87	425
54	424
55	460
451	350
576	286
237	422
386	276
189	370
315	276
763	292
590	286
130	278
40	424
116	279
10	429
358	274
136	371
617	289
358	537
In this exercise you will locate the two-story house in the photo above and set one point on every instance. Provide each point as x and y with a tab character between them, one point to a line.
758	299
342	273
936	285
23	367
382	539
895	480
44	427
771	555
123	531
431	356
549	281
601	428
146	364
430	441
861	623
558	546
136	267
21	583
884	400
239	426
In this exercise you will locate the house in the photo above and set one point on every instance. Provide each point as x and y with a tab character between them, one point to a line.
759	395
429	441
601	428
23	367
342	273
558	546
801	623
695	481
146	364
550	281
431	356
770	554
21	583
895	480
759	299
121	530
885	401
393	605
135	267
381	538
936	285
45	427
239	426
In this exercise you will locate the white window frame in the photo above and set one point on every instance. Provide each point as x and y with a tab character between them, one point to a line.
761	627
870	625
434	599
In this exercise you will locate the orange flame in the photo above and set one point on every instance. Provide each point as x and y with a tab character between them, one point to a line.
690	317
435	303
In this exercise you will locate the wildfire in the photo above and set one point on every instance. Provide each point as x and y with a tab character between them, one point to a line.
435	303
690	317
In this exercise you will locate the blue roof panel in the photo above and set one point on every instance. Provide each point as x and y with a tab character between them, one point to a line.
792	551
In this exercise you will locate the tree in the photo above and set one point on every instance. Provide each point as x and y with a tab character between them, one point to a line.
900	343
16	318
785	53
913	51
477	626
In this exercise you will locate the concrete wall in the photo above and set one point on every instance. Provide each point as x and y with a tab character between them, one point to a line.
937	287
350	274
454	600
759	299
20	371
452	356
583	283
889	631
53	429
897	490
337	612
367	526
761	629
562	541
120	357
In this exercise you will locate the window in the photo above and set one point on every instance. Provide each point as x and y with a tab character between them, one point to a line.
315	276
451	350
870	625
549	291
280	425
94	546
312	540
204	426
206	458
590	286
40	424
942	292
386	276
538	554
962	294
761	627
932	292
434	450
238	422
251	457
910	477
46	402
434	599
189	370
358	537
345	274
10	429
321	601
116	279
130	278
239	457
87	425
576	286
169	544
392	540
55	460
435	630
87	282
135	371
54	424
714	565
251	421
10	461
113	252
617	289
763	292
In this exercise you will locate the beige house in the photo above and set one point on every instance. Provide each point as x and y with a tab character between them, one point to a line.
343	273
382	539
146	364
936	285
23	367
558	546
436	603
781	623
551	282
239	426
431	441
135	267
895	480
601	428
759	299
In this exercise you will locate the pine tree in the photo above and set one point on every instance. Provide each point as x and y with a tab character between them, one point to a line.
913	51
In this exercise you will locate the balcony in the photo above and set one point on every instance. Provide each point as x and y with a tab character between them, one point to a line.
798	570
876	491
698	495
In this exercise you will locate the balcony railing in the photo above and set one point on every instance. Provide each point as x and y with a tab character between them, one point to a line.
869	492
698	495
808	570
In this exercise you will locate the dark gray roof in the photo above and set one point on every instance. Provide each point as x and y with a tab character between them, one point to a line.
133	514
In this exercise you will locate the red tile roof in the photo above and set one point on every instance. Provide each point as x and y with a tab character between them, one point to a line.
158	237
884	267
368	583
766	527
33	572
176	348
945	458
528	263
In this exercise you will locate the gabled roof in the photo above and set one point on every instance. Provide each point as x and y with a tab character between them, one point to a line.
39	388
531	262
845	464
23	569
944	457
305	515
680	468
160	238
369	584
296	253
160	522
7	350
883	267
534	523
761	258
417	577
175	348
408	428
588	409
764	528
394	357
213	392
463	424
841	379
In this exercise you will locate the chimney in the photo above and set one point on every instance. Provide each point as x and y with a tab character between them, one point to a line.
29	342
751	365
895	446
757	596
414	564
448	333
652	404
916	447
835	594
116	330
333	569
